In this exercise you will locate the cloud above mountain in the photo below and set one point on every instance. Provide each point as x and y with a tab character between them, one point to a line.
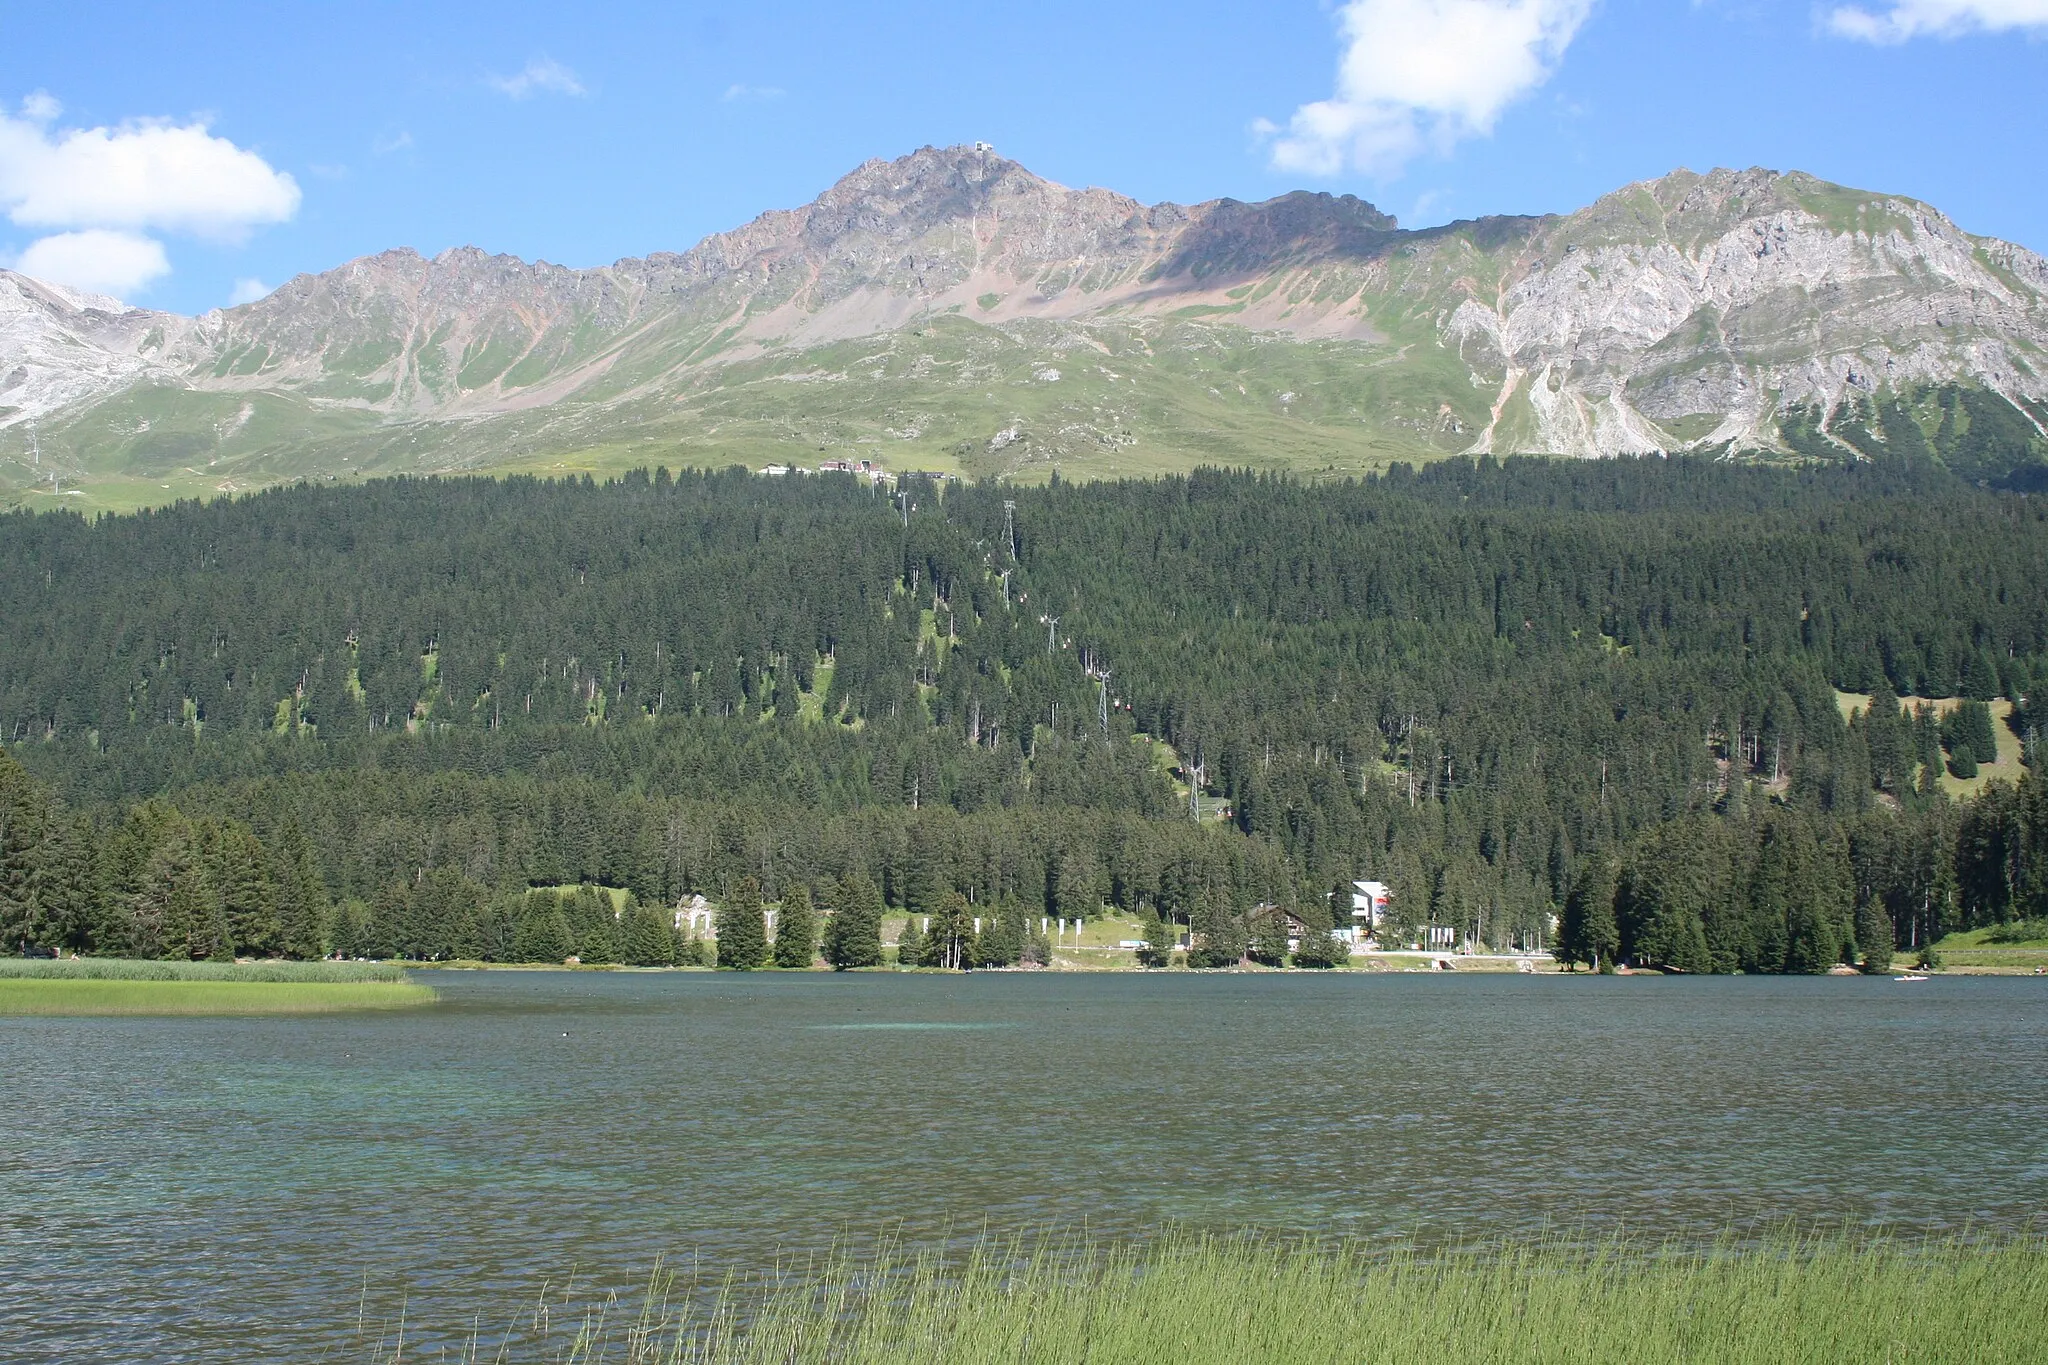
1937	19
96	261
107	189
1419	75
541	76
146	174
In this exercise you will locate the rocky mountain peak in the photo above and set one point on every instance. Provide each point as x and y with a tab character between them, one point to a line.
1694	310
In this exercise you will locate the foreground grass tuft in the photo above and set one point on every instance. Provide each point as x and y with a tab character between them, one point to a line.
1195	1300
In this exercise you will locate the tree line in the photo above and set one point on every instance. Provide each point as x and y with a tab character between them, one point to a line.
1492	684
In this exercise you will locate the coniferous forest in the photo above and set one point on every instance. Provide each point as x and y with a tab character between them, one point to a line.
1595	707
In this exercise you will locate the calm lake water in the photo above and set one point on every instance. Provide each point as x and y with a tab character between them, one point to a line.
225	1189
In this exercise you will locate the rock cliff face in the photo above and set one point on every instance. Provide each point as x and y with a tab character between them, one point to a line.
1694	311
1720	299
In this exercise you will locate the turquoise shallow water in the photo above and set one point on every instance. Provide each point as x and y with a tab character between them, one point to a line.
224	1189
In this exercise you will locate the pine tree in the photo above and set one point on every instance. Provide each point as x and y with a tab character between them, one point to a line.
237	869
1267	944
910	948
66	884
1219	936
949	942
796	930
647	938
742	928
1586	931
1874	934
23	809
1158	949
543	934
853	935
303	910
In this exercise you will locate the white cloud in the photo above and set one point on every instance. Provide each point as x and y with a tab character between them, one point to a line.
398	142
735	93
96	261
41	107
542	75
247	291
1419	74
1937	18
146	174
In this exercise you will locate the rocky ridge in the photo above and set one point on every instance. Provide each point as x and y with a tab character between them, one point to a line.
1693	311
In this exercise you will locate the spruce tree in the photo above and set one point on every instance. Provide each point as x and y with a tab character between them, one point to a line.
23	807
647	938
301	893
1874	934
910	948
1158	949
1587	932
543	934
238	870
949	942
1267	943
742	928
853	935
1219	936
796	930
66	886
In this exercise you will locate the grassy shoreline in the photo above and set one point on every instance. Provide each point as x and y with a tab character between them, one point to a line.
112	986
1199	1299
22	997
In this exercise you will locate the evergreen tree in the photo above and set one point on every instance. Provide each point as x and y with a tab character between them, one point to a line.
1219	936
1158	949
237	868
910	948
796	930
949	942
66	887
497	928
742	928
1874	934
1001	941
1267	942
301	893
1586	931
647	935
543	934
593	923
22	810
853	934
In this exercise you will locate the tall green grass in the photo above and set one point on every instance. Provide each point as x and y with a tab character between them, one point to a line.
100	986
27	996
1199	1299
122	969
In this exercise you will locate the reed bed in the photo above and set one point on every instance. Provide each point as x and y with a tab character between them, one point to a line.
109	986
128	969
1192	1300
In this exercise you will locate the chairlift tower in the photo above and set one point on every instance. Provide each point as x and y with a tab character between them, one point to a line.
1102	704
1010	526
1052	633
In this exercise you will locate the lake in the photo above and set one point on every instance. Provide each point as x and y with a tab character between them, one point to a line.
195	1189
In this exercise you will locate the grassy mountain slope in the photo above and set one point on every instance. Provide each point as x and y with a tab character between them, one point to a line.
951	311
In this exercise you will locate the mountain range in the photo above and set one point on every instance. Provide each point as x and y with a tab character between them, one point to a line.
951	311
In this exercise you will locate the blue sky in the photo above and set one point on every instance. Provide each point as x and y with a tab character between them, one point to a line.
176	153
